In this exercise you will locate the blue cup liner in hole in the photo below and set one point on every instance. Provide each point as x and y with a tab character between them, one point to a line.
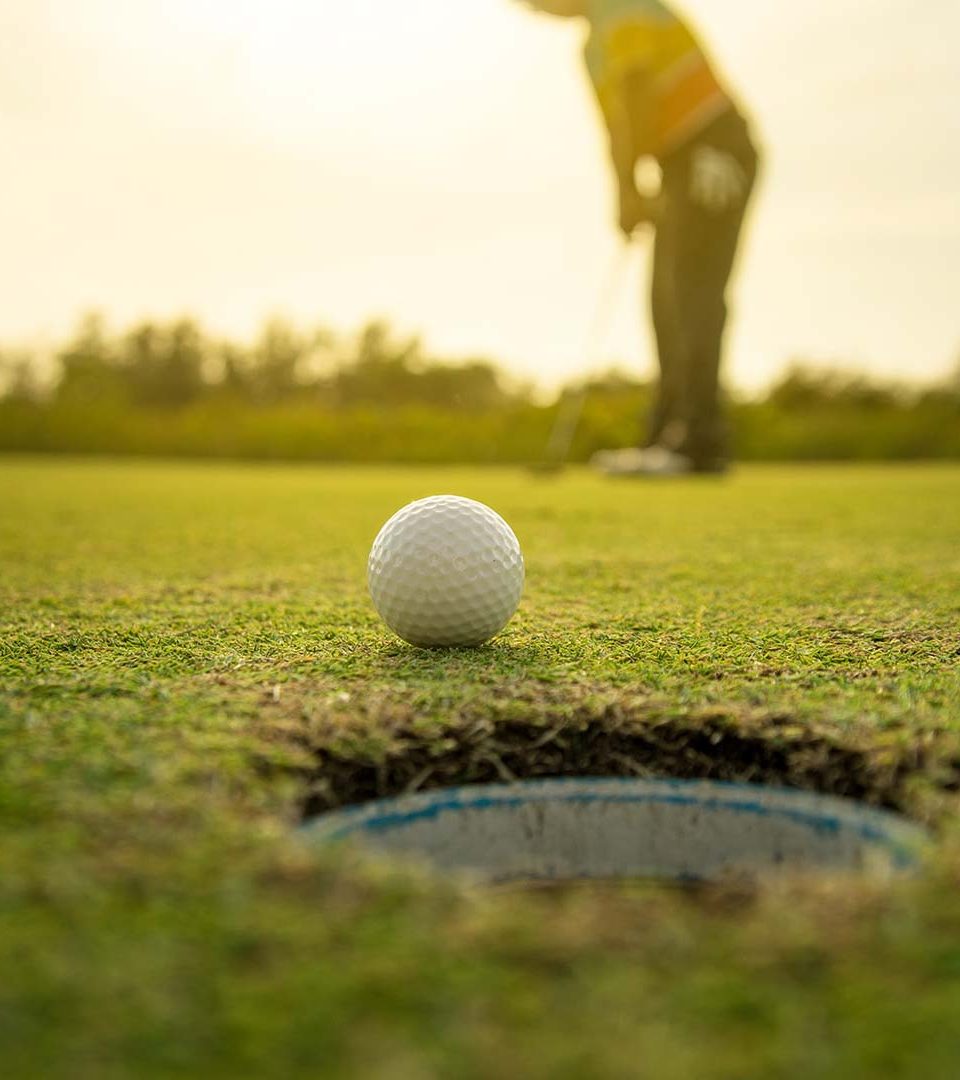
667	830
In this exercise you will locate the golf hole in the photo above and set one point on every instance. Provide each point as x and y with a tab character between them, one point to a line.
677	831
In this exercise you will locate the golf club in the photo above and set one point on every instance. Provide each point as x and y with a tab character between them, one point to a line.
571	406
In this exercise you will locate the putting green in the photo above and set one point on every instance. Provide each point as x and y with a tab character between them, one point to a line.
188	662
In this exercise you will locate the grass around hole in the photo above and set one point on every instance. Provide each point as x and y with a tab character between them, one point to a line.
383	748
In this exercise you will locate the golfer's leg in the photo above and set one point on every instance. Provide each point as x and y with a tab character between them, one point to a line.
667	411
706	257
706	435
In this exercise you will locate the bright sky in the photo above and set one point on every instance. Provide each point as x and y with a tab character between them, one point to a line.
439	162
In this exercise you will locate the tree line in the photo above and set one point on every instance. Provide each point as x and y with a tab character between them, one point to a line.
171	388
170	365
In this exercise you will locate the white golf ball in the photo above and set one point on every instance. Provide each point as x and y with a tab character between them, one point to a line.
446	571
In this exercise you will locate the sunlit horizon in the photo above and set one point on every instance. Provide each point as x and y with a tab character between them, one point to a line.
442	166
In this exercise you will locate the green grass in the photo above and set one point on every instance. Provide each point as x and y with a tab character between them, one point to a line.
186	650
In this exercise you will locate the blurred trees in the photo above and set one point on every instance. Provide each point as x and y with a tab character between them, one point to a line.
18	376
804	388
172	388
153	365
88	365
380	370
169	365
162	365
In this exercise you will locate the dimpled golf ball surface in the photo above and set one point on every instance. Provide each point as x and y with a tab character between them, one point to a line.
446	571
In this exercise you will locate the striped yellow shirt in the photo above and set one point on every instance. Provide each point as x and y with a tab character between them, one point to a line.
672	84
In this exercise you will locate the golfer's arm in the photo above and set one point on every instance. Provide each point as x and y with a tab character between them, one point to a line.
630	126
622	154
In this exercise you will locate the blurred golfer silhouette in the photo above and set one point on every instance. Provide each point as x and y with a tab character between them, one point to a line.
661	100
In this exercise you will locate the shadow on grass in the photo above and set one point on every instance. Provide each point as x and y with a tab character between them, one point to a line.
500	658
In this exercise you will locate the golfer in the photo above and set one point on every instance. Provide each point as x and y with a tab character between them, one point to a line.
661	99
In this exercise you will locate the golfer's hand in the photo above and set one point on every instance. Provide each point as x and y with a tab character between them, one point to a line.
718	182
637	210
